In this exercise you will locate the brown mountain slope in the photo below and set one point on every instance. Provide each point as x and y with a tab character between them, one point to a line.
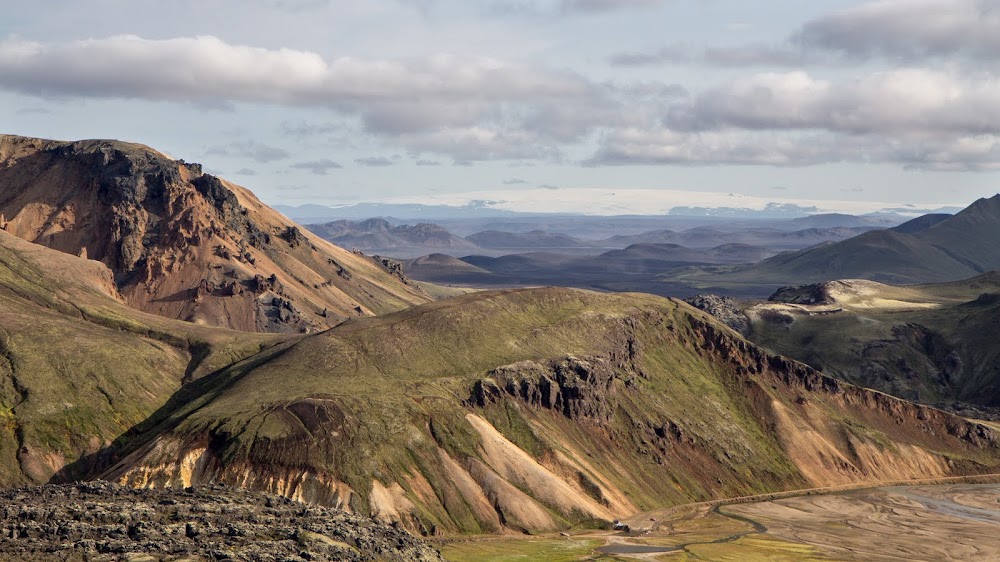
185	244
535	410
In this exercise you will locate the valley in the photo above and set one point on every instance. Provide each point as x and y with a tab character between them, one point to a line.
920	521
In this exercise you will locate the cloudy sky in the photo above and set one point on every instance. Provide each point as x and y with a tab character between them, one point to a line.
327	101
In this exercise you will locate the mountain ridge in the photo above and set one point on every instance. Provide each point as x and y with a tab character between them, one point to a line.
185	244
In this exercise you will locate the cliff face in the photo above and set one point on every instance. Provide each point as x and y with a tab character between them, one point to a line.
536	410
185	244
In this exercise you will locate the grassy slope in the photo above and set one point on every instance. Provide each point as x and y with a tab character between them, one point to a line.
943	352
690	413
77	368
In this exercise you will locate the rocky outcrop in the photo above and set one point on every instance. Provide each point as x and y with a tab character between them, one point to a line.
184	244
725	309
816	293
100	519
576	388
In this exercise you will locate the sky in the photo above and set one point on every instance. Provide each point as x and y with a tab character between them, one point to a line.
550	105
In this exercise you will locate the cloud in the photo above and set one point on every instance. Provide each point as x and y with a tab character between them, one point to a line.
318	167
904	101
422	101
374	161
515	181
245	172
565	7
548	186
308	129
605	5
898	30
253	150
908	29
735	56
428	163
470	109
771	148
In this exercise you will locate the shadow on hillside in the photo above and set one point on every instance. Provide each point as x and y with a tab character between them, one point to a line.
187	399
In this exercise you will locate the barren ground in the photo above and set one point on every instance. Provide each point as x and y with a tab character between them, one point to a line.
927	522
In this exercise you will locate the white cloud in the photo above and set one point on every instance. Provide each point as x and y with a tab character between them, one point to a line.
898	102
430	103
477	108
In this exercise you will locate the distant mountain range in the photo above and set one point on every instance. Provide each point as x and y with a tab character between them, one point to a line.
312	213
634	268
381	236
933	248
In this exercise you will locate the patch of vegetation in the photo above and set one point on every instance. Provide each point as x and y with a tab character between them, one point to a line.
519	550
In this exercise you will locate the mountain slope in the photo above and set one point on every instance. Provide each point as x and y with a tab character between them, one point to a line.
934	343
184	244
79	368
935	249
535	410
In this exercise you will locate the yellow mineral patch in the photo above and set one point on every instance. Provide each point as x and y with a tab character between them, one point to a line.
518	468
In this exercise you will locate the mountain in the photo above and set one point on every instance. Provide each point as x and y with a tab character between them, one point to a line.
636	268
533	240
834	220
656	258
710	237
534	410
938	249
445	269
520	410
921	223
78	367
933	343
379	235
184	244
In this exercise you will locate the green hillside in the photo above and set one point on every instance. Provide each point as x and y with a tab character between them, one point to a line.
78	368
933	343
535	410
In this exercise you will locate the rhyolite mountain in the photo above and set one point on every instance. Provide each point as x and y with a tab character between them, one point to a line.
530	410
534	410
78	367
520	410
185	244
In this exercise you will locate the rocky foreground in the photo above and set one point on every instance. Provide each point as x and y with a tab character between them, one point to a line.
104	521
